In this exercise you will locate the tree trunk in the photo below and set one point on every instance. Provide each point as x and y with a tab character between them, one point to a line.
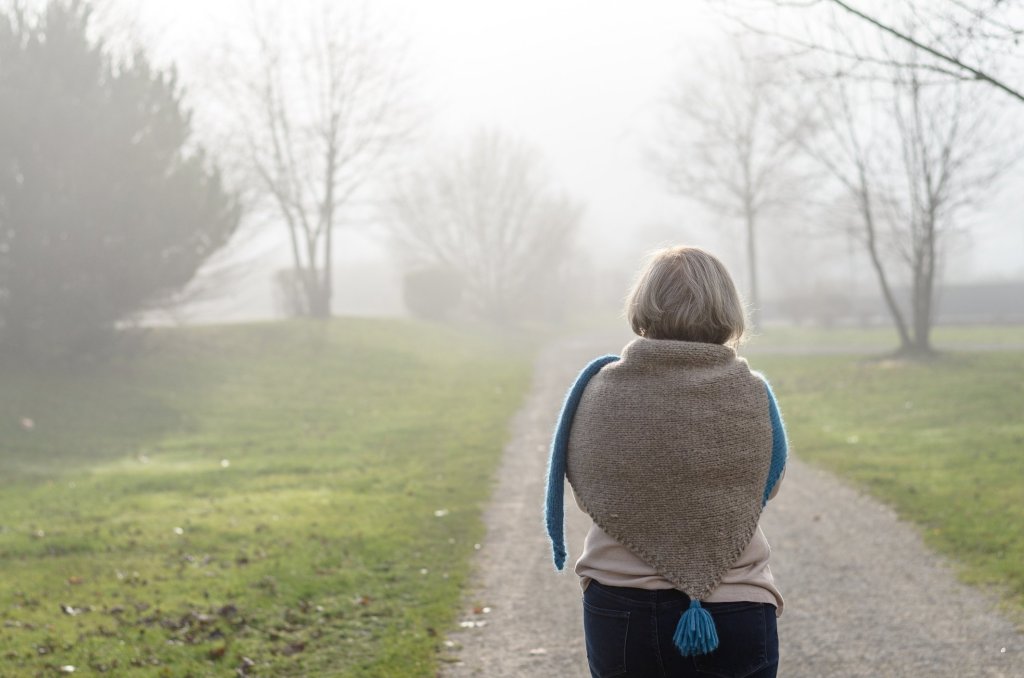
328	226
876	263
924	290
755	302
890	302
327	283
319	303
922	319
314	282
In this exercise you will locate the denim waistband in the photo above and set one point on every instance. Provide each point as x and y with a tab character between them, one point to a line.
641	595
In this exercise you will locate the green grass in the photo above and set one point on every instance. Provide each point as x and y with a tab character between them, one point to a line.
942	442
881	338
264	492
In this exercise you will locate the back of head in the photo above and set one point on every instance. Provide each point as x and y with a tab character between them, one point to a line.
686	294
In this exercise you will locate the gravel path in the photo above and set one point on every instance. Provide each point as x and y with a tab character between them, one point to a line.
864	597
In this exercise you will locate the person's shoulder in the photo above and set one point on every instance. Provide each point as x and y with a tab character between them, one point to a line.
599	362
760	376
592	368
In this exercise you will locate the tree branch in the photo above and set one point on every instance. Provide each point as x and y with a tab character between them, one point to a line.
942	56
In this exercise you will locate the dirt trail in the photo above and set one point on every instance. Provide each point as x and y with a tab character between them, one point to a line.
864	597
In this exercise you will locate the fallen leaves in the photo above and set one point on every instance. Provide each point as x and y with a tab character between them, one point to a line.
131	578
476	623
228	610
72	611
293	648
244	667
267	584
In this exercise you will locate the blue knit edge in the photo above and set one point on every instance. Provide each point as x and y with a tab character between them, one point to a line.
554	509
780	446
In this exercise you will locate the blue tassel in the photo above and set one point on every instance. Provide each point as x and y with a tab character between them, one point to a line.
696	633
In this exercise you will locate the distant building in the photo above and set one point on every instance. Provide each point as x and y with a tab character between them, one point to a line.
981	303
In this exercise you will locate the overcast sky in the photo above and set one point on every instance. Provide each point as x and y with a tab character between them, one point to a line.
580	79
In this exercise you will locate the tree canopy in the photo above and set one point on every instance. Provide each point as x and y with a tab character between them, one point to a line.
108	206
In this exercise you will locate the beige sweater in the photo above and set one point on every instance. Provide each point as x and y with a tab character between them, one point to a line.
748	580
612	564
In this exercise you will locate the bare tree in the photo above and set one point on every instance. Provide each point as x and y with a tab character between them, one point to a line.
724	144
319	103
971	40
909	157
489	214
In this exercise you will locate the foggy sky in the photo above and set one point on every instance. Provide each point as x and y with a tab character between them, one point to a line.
579	79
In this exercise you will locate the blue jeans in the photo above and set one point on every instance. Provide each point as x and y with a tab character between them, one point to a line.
629	633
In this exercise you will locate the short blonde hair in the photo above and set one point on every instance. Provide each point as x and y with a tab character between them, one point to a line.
685	293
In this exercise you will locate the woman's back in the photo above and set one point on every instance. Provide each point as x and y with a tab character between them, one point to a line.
673	450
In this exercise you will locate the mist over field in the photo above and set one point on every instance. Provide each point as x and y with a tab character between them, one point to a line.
590	87
290	291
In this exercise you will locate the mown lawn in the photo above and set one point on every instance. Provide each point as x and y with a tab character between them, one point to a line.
950	337
269	500
942	442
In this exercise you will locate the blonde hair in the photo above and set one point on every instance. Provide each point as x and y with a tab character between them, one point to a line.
685	293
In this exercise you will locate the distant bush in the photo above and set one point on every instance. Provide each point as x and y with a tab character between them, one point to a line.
432	293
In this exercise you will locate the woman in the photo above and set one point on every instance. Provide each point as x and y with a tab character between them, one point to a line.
673	450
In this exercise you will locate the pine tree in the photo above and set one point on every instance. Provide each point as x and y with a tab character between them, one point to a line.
108	206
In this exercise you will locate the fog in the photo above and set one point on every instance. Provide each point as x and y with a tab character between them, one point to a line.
583	83
588	88
289	291
578	80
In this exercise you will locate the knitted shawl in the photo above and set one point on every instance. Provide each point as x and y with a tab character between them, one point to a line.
670	452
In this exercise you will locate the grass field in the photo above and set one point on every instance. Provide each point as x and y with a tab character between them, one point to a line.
306	497
942	442
883	338
279	499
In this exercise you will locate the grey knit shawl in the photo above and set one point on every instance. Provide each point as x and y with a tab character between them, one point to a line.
669	453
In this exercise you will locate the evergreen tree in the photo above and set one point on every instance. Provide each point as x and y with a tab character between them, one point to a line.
107	205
